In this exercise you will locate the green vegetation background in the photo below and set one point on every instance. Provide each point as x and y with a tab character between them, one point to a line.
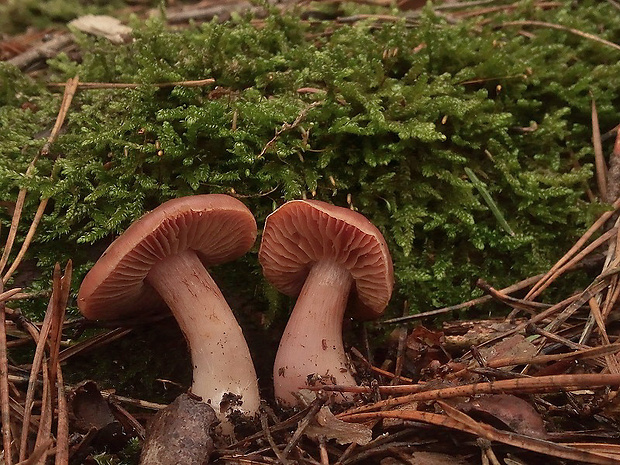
415	121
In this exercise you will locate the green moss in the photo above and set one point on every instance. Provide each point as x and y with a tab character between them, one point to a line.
399	115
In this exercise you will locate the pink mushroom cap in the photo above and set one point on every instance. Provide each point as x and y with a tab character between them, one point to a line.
303	232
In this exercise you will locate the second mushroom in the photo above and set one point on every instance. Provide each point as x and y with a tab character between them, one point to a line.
330	257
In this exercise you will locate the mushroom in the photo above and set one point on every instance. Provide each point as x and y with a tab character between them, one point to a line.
160	261
328	256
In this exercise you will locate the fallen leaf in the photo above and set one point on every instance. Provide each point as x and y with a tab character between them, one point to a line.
426	458
512	411
91	412
516	346
327	425
103	26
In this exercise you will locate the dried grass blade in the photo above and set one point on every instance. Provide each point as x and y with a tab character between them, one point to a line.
611	359
4	389
574	249
24	248
598	242
94	341
36	365
524	442
45	421
62	426
559	27
59	306
21	197
599	158
17	214
44	448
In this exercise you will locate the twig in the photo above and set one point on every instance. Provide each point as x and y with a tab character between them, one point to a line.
492	434
303	424
540	384
62	113
131	85
582	354
471	303
4	296
34	370
41	52
495	9
45	419
287	127
93	342
559	27
4	388
274	447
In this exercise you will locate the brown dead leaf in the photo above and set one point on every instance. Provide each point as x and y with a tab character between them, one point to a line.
517	414
327	425
426	458
424	347
89	411
461	335
511	347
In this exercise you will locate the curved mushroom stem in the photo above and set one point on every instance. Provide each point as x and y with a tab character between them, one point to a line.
224	374
311	346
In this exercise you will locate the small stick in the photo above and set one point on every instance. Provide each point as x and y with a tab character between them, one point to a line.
582	354
559	27
487	451
95	341
45	420
287	127
378	370
303	424
540	384
490	433
6	295
517	304
400	351
34	370
60	297
595	311
131	85
556	338
45	50
471	303
274	447
323	450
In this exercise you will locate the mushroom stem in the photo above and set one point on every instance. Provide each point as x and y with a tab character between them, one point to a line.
311	345
220	356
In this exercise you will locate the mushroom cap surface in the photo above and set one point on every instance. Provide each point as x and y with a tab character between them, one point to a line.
303	232
219	228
